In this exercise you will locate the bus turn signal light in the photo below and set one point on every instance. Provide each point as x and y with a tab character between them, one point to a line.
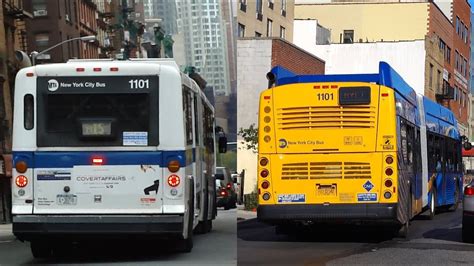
21	167
173	166
21	181
173	180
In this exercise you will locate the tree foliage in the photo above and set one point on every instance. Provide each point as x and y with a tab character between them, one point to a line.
250	136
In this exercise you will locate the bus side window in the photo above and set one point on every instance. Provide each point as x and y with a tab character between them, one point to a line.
28	112
188	115
196	119
431	153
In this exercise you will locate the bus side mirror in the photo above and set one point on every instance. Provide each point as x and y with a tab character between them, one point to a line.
222	144
467	145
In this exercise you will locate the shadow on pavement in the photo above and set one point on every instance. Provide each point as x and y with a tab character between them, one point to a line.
252	230
454	234
114	251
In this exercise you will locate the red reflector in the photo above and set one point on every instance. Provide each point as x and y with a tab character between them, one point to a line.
469	191
384	94
97	69
325	87
97	161
316	87
114	69
394	190
21	181
266	97
173	180
333	86
29	74
80	69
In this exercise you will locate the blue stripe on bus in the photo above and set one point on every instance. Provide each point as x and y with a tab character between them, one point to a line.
69	159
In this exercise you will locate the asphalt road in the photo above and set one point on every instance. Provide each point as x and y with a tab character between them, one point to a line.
431	242
215	248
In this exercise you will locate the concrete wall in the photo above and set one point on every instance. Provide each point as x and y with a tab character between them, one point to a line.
253	61
370	22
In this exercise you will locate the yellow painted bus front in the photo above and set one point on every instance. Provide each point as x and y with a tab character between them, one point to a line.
315	151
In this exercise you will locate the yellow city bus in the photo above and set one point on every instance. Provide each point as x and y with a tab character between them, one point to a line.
350	147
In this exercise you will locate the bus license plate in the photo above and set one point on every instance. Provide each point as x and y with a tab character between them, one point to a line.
326	190
66	199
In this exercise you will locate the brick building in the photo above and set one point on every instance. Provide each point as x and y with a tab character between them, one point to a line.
255	58
57	21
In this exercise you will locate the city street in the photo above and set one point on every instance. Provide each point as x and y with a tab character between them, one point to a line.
215	248
431	242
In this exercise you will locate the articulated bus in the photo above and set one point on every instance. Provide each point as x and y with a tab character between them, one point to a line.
105	148
348	148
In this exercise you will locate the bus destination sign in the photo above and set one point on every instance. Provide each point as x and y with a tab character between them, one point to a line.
354	95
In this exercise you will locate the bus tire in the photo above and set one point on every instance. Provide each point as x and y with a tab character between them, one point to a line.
41	249
432	207
201	228
209	226
454	207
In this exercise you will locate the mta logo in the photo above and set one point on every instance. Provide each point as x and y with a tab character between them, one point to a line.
368	186
53	85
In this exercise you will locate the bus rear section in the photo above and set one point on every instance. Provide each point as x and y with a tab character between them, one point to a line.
327	151
87	163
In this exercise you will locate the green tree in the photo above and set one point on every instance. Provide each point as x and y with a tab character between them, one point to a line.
250	136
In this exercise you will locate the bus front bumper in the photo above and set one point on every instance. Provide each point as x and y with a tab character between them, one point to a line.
327	213
28	227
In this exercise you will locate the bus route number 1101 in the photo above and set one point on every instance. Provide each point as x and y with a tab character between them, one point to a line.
325	96
139	84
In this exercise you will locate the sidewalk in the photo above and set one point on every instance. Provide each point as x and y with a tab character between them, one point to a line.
244	214
6	232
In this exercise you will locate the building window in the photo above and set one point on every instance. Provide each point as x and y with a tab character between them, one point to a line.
431	77
466	34
447	54
438	79
243	5
458	26
258	34
456	64
271	4
283	8
39	8
269	27
348	36
42	40
282	32
259	6
241	31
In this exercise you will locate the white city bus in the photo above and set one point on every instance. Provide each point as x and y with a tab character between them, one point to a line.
106	148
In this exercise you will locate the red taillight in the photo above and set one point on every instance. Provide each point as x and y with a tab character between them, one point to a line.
29	74
97	161
317	87
263	161
469	191
229	186
264	173
173	180
114	69
389	171
389	160
265	184
223	193
80	69
388	183
384	94
97	69
21	181
266	97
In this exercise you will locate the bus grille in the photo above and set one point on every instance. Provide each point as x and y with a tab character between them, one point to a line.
325	170
320	117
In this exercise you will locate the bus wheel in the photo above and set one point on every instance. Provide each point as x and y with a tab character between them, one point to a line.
432	210
454	207
41	249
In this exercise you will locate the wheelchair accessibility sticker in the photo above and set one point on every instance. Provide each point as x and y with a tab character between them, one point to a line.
366	196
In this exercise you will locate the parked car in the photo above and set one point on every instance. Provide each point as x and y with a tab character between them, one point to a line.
468	214
226	195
